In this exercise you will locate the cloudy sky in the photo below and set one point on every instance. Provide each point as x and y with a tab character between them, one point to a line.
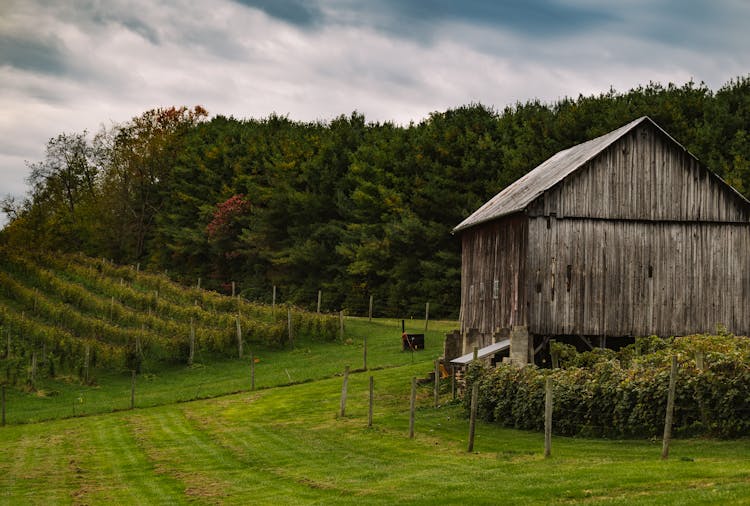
71	65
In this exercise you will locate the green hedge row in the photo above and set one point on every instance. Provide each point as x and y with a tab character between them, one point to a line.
624	394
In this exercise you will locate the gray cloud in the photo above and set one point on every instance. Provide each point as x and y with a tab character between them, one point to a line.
538	18
303	13
66	67
44	55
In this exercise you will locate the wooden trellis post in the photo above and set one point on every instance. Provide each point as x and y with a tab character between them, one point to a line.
273	300
132	389
291	332
191	356
239	336
341	325
252	371
426	315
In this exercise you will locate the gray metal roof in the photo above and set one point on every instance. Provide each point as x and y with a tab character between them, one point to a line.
516	196
484	352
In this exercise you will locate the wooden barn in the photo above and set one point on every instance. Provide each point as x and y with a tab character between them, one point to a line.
624	235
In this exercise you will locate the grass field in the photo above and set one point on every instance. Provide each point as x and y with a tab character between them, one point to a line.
211	376
287	444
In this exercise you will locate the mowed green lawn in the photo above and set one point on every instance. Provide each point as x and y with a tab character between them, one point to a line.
287	445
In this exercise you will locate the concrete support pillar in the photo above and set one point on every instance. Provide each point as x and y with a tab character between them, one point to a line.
471	339
453	346
520	345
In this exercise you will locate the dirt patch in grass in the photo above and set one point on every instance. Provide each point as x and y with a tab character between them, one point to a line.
171	461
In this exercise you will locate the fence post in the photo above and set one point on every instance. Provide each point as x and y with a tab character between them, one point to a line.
426	315
86	364
670	409
33	368
199	283
372	392
273	300
473	417
289	322
132	389
412	406
342	411
364	353
700	360
252	371
369	313
320	295
437	382
239	336
233	288
554	355
191	356
3	405
453	381
548	417
341	325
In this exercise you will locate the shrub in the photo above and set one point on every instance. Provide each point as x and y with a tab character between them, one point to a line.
624	394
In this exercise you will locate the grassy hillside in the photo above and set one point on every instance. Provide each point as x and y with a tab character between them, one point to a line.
68	315
209	376
287	445
284	442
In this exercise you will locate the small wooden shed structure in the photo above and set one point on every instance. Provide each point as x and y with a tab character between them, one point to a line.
624	235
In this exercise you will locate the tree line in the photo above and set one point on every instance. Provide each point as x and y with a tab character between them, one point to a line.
347	206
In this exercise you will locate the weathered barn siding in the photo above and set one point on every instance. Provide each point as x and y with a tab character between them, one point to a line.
644	175
629	278
624	235
492	275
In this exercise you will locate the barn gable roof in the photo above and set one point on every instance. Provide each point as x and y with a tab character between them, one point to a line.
525	190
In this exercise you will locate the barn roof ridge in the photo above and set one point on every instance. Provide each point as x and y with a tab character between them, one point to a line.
522	192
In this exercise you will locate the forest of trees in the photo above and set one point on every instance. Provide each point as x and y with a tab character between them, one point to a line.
349	207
